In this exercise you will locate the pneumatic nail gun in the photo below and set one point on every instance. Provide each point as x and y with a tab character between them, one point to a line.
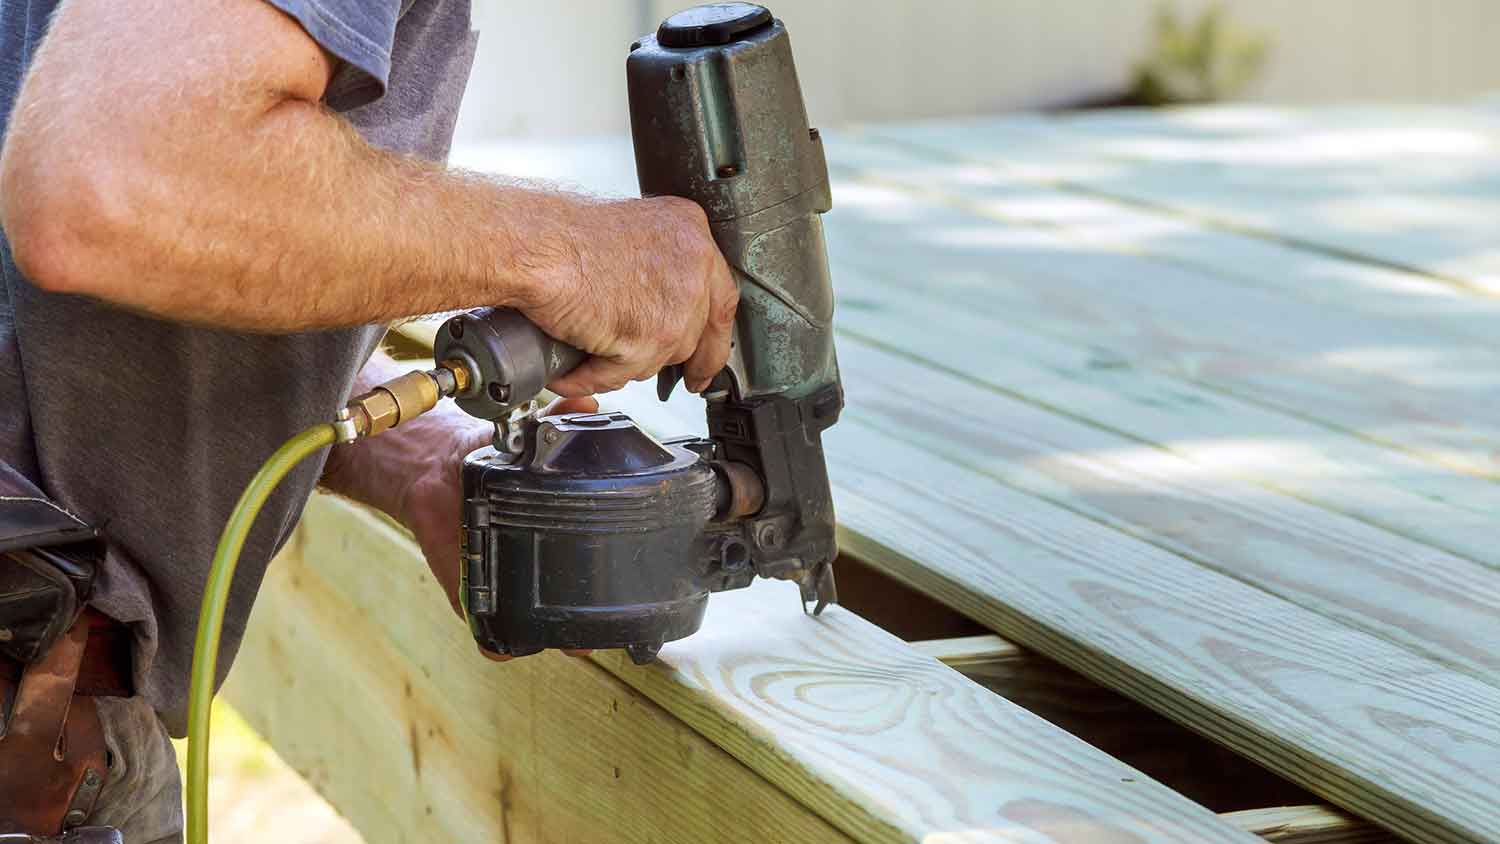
582	531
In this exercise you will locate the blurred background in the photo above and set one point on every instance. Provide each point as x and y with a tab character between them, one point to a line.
549	69
552	69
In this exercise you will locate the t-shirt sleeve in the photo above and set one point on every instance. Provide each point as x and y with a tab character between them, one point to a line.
360	34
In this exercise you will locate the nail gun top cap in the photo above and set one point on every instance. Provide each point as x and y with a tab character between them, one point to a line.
712	25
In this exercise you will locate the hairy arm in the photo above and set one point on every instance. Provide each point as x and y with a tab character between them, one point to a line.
156	162
174	158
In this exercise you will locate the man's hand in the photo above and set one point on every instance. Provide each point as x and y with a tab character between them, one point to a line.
644	286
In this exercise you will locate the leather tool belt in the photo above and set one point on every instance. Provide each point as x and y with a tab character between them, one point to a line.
55	658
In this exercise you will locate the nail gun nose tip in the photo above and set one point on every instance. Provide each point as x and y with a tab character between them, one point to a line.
643	653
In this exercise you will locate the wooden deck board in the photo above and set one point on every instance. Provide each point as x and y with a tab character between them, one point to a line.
1194	766
843	729
992	189
1381	379
1303	177
1437	604
1222	435
1359	721
357	672
1309	825
851	720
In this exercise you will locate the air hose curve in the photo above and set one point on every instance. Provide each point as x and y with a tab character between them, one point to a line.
211	612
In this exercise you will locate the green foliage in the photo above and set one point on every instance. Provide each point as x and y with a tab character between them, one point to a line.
1197	61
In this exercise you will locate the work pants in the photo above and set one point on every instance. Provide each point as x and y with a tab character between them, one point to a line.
142	796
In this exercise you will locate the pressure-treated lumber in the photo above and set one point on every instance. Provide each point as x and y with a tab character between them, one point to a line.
1207	394
1003	192
1182	760
1000	665
356	671
1359	721
864	728
359	675
1308	825
1380	378
1435	603
1223	436
1300	177
967	650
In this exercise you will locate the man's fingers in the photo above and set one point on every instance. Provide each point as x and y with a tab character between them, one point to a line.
585	404
713	346
595	375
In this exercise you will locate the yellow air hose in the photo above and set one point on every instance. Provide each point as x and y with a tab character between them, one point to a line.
211	613
392	403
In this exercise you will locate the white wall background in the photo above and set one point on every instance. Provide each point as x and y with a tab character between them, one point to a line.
556	67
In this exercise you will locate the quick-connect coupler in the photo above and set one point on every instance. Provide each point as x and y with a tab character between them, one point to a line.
399	400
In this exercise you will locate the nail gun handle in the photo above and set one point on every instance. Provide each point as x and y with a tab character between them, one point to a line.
509	358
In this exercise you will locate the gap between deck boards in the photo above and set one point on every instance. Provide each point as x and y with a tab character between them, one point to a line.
986	656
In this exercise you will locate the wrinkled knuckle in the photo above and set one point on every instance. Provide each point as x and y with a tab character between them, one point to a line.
724	311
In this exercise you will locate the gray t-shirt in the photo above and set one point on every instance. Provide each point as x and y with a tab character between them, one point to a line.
149	429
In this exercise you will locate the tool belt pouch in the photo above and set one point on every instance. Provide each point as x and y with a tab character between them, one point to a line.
47	565
53	758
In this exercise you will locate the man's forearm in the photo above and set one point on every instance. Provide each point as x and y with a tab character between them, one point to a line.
252	208
308	228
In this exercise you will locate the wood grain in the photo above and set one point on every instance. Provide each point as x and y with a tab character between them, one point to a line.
1222	435
1299	177
383	702
1009	192
1308	825
1378	378
848	718
1363	723
1431	602
1357	719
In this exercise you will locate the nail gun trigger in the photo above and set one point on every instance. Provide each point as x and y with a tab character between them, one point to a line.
666	381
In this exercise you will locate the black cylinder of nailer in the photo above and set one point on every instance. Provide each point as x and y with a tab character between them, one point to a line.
596	540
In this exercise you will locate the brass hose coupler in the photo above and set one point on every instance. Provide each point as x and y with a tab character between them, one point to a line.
399	400
459	372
